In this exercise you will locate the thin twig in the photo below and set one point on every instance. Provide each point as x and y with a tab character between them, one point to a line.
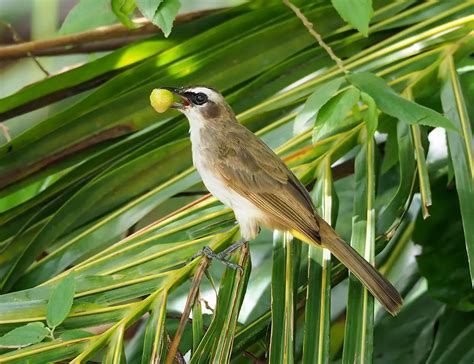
178	357
316	35
5	132
101	33
187	310
93	47
17	39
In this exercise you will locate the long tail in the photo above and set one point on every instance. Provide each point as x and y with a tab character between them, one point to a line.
375	282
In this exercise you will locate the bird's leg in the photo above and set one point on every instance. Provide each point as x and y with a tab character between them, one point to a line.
222	256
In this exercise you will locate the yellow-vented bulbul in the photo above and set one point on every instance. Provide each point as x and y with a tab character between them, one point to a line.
246	175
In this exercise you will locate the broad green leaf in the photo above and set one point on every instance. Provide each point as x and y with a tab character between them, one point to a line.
60	301
86	15
433	264
321	94
356	12
148	7
395	105
122	10
165	14
461	148
31	333
407	338
358	336
454	337
332	114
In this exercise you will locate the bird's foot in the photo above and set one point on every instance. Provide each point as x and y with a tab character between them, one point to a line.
223	255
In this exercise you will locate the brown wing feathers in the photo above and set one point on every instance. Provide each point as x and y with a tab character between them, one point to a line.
261	176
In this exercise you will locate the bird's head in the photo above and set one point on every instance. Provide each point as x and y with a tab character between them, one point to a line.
200	103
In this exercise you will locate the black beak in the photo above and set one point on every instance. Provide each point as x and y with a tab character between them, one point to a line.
181	93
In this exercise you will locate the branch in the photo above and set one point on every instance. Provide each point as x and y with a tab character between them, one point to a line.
17	39
173	349
93	47
316	35
101	33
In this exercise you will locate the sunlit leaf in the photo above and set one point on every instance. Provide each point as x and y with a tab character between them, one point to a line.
395	105
321	94
88	14
356	12
165	14
148	7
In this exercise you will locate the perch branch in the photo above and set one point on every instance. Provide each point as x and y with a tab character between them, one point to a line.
101	33
316	35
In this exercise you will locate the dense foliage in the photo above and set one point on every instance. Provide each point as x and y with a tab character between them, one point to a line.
101	208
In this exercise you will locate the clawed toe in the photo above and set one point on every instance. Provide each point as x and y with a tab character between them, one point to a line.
221	257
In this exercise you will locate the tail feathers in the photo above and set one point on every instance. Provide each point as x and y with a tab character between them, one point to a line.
372	279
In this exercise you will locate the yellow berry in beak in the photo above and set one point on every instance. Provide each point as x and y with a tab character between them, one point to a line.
161	99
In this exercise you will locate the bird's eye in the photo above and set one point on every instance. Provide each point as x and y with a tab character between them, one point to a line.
200	98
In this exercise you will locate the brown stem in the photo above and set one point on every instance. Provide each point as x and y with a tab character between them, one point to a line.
17	39
5	132
99	46
101	33
187	310
316	35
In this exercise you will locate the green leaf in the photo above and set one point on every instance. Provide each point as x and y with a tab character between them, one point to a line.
115	350
286	253
333	113
356	12
461	148
370	116
122	10
155	331
88	14
148	7
321	94
444	264
423	177
198	323
318	296
454	338
165	15
31	333
393	210
75	334
395	105
358	336
60	301
408	337
216	345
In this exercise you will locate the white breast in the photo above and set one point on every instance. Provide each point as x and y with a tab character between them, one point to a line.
246	213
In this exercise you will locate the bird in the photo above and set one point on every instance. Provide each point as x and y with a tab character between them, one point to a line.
241	171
